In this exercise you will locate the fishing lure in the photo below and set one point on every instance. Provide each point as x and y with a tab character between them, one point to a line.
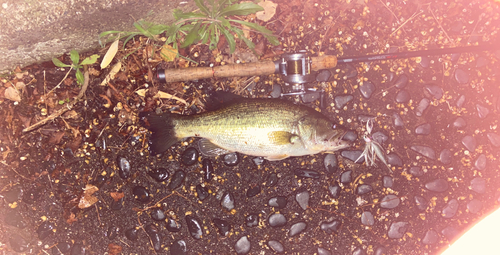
373	149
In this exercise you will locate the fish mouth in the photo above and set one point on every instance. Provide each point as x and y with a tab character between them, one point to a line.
343	143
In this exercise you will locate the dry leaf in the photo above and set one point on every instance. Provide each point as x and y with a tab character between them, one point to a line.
116	195
268	12
168	53
161	94
114	249
87	199
110	54
12	94
71	219
111	75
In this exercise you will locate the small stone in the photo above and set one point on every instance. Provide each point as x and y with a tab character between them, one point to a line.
179	247
478	185
431	237
276	246
154	236
450	233
112	232
276	92
475	205
379	137
132	234
44	230
78	249
346	177
358	251
177	179
258	161
350	72
481	162
330	227
469	142
445	156
253	191
158	214
401	81
437	185
194	227
331	163
341	101
422	106
15	219
124	168
323	251
277	220
459	123
159	174
173	225
61	248
353	156
242	246
482	111
380	251
189	156
421	203
450	209
222	226
303	173
14	194
494	139
367	89
364	189
202	192
231	159
227	201
302	199
141	194
416	171
350	136
387	181
435	91
297	228
272	180
334	190
425	151
398	121
397	229
460	101
390	201
402	97
394	159
252	220
461	76
18	243
279	202
425	62
423	129
367	219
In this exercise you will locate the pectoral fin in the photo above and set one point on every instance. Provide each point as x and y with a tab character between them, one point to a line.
209	149
276	157
282	137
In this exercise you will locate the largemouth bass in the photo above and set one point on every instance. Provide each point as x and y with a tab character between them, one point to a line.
270	128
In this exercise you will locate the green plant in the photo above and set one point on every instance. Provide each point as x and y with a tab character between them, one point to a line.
76	64
205	25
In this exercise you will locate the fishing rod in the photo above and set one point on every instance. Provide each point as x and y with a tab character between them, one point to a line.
299	68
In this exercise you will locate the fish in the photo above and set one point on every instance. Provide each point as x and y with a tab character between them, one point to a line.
274	129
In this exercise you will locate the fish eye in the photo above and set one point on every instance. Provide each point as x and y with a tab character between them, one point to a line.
334	126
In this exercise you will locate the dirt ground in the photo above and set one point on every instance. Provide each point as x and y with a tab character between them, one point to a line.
87	183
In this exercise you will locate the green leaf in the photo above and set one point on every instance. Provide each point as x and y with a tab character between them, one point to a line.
138	26
241	9
75	57
158	29
58	63
240	34
192	36
264	31
61	102
230	38
202	6
225	22
178	14
206	35
79	76
90	60
128	39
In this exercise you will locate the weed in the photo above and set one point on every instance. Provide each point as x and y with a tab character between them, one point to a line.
76	64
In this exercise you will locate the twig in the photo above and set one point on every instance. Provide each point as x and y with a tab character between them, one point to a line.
57	86
439	24
406	21
68	107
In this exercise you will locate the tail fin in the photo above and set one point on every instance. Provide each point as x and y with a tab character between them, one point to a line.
163	129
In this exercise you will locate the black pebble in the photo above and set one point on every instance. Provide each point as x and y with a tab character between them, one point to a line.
158	214
131	234
334	190
124	167
201	191
14	194
61	248
252	220
279	202
44	230
402	96
78	249
227	201
177	180
272	180
254	191
154	236
303	173
277	220
159	174
15	219
194	227
100	181
330	226
116	205
113	232
222	226
363	189
141	194
18	243
353	156
173	226
346	177
231	159
32	195
208	169
189	156
401	81
178	248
